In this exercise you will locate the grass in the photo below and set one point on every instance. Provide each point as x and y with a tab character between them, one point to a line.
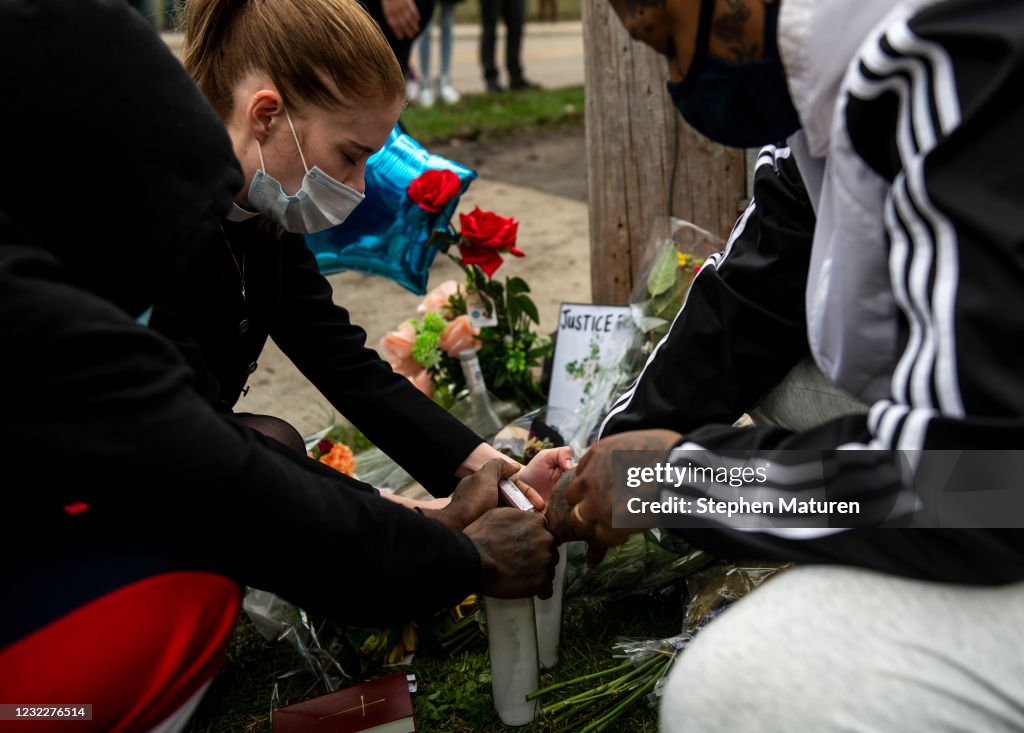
482	116
454	694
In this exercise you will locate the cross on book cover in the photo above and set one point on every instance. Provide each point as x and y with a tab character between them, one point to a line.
382	705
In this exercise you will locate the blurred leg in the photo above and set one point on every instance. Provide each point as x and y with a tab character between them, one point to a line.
488	32
141	655
447	23
515	16
830	648
423	43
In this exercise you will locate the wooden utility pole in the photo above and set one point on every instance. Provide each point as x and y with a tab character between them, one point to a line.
644	162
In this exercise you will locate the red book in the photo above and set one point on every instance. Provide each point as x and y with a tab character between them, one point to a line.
383	705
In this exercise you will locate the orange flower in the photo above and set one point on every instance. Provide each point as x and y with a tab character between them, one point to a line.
396	348
438	297
459	335
340	459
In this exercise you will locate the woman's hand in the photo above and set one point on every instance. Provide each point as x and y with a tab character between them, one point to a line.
416	503
478	494
543	472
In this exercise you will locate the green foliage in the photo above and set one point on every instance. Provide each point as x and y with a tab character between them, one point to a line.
454	687
456	696
479	116
511	349
663	274
350	435
587	368
667	285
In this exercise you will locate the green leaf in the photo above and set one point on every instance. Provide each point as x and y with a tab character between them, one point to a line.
529	308
663	274
517	285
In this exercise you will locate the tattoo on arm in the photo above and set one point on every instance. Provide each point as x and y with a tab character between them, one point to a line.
730	27
559	513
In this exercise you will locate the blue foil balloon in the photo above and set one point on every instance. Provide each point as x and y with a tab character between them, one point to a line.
387	233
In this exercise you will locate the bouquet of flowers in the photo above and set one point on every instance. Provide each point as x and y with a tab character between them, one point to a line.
335	454
494	318
676	254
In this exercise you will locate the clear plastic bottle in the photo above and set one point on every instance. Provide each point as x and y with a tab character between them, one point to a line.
481	416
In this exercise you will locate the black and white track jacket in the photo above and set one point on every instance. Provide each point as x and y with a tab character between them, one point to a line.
911	262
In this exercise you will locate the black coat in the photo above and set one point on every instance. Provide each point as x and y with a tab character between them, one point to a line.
99	411
289	300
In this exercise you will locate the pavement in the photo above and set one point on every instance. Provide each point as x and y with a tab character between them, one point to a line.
553	231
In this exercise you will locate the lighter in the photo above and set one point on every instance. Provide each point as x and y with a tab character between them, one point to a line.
514	496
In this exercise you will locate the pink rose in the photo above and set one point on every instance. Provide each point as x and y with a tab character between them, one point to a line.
423	382
396	348
459	335
438	297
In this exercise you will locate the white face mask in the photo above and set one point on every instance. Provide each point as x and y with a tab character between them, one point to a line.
320	204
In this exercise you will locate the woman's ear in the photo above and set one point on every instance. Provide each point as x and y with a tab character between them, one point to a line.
264	110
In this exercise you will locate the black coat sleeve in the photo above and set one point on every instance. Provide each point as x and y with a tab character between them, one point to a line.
891	539
99	410
317	335
742	326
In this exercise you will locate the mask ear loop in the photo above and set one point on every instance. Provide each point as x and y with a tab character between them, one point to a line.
259	151
296	138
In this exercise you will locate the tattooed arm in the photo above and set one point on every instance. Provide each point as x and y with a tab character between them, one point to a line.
738	29
580	507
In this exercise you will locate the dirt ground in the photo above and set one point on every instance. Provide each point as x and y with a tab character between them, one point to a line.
552	162
541	181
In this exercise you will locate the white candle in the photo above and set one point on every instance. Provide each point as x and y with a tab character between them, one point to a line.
512	642
549	616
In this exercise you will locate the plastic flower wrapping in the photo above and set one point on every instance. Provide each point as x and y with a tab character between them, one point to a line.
676	253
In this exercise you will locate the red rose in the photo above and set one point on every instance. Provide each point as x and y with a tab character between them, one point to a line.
484	234
434	189
485	258
487	229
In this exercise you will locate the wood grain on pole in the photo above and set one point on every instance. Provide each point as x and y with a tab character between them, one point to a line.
643	161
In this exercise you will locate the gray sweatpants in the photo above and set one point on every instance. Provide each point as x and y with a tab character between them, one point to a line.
804	399
826	648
